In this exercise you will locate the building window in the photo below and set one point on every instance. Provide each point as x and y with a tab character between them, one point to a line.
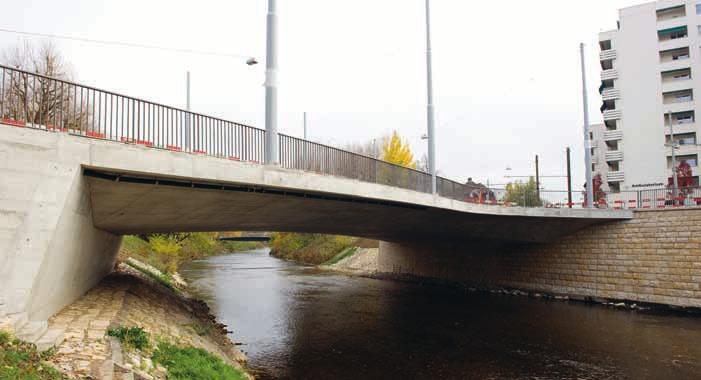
698	9
615	187
690	159
682	139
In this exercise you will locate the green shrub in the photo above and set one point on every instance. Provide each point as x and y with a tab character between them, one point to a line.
20	360
130	337
309	248
191	363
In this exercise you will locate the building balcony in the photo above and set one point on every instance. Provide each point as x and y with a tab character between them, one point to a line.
594	160
612	114
676	85
677	43
607	54
680	128
672	23
615	177
679	107
675	64
613	135
615	155
609	74
610	94
683	149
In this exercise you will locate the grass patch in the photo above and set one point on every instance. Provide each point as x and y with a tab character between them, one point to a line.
20	360
193	364
348	252
130	337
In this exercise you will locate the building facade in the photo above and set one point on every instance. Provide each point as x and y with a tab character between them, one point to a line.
650	69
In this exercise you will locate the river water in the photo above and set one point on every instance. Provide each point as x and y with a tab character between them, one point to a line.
297	322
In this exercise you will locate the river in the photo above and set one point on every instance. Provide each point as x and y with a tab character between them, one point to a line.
298	322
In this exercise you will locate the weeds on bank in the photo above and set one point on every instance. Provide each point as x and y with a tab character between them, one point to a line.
189	363
130	337
20	360
308	248
182	362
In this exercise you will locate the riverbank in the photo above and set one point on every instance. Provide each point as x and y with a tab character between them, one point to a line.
167	252
316	249
363	262
129	299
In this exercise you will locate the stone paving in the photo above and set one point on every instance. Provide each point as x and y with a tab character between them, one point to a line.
125	299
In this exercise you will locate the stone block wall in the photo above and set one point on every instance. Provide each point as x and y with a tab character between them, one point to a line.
655	258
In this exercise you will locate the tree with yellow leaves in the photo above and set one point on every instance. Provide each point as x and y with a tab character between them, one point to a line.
398	152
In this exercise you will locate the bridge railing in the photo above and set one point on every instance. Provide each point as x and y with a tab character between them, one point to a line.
305	155
37	101
30	100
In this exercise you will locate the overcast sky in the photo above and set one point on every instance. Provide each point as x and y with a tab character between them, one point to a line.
507	79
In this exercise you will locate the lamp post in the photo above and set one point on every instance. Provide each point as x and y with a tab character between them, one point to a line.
271	137
587	140
430	109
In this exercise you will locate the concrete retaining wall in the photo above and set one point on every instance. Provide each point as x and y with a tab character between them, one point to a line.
656	258
50	253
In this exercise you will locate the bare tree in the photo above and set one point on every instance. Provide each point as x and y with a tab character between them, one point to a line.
42	99
371	148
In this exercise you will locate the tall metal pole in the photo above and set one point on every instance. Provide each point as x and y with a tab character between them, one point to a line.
271	138
675	178
587	140
187	107
569	178
537	177
305	126
430	108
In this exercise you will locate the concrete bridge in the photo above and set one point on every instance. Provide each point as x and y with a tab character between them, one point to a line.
78	176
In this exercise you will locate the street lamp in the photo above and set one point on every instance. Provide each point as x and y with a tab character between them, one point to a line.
587	139
430	109
271	142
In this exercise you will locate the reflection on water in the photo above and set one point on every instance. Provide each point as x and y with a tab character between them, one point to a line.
300	323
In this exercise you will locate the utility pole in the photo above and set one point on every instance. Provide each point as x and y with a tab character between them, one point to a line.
569	179
587	140
675	178
271	138
537	177
430	109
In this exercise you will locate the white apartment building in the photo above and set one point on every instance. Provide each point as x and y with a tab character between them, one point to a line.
651	66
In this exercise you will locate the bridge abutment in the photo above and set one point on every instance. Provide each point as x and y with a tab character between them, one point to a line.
653	258
50	252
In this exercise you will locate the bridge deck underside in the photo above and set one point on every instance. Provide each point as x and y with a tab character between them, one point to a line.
126	208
